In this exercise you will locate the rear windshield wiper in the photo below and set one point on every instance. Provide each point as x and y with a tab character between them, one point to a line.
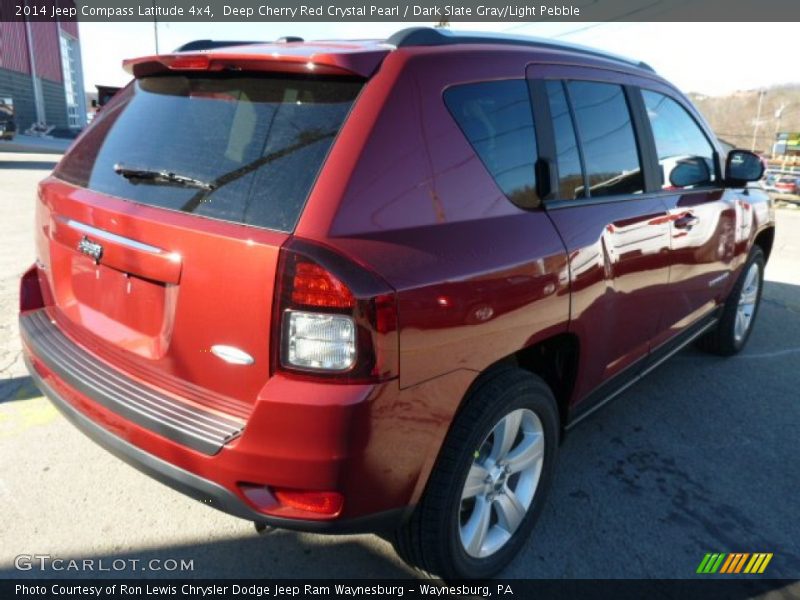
163	176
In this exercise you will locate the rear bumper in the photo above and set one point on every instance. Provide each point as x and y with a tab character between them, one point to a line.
194	486
300	435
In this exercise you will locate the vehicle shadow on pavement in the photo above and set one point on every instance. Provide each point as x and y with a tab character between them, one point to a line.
276	555
18	388
698	457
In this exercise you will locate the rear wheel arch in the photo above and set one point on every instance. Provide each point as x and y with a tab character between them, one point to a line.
419	536
764	239
554	360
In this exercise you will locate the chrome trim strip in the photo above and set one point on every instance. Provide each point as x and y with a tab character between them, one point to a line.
125	386
641	375
112	237
677	349
190	425
103	386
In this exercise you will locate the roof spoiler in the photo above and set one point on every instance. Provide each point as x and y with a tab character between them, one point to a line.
302	59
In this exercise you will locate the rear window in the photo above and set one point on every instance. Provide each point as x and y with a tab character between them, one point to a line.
258	140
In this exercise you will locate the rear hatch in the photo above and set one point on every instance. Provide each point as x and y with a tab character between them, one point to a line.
159	231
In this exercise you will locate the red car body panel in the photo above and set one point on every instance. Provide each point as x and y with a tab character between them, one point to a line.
403	195
164	329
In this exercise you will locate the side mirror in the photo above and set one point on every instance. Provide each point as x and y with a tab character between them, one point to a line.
742	167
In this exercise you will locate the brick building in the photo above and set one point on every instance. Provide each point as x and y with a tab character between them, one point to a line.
41	70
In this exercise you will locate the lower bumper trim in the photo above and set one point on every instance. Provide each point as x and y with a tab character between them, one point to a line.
208	492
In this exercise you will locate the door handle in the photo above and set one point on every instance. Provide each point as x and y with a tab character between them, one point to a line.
686	221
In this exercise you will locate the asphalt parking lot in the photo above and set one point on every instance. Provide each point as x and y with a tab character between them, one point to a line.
701	457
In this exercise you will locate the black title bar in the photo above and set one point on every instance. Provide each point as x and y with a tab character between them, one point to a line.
396	10
710	588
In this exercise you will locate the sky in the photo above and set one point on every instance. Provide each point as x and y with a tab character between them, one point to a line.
708	58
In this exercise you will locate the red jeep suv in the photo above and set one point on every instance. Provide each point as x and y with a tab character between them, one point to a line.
367	286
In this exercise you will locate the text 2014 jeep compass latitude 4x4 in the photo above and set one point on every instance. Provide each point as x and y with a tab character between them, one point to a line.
350	286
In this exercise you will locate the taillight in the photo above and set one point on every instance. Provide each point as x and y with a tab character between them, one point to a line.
319	341
314	286
334	318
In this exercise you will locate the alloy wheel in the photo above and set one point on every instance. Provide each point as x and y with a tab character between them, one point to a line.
747	303
501	483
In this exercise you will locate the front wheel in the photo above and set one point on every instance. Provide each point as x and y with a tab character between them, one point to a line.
490	480
739	314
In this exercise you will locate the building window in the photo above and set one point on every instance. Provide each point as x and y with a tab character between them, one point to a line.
69	67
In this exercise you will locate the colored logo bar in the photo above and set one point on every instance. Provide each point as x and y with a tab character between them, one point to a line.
736	562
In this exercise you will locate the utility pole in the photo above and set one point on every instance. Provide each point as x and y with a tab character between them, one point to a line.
778	115
761	94
155	25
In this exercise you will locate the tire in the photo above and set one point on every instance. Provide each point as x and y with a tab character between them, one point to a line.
436	538
728	337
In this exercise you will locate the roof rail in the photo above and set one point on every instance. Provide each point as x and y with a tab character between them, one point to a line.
211	44
429	36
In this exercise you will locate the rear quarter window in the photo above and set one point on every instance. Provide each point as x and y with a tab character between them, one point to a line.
497	120
260	140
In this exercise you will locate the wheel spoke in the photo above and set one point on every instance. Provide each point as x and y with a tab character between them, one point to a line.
752	275
510	511
738	327
473	534
748	296
476	481
527	453
505	432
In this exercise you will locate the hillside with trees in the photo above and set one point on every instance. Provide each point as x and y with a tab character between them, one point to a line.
733	117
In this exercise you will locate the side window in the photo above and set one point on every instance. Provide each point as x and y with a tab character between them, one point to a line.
570	174
497	120
685	156
606	135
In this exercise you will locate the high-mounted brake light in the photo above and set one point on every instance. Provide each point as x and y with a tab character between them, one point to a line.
333	318
189	63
